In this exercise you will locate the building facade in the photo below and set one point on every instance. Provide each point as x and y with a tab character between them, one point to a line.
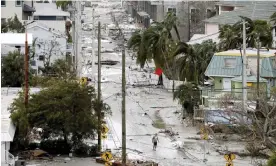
23	9
189	14
49	44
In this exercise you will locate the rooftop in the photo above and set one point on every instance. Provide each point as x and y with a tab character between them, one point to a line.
45	27
49	9
249	52
199	38
16	39
254	10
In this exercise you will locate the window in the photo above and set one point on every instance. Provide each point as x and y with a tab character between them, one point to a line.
172	10
229	62
3	3
195	16
33	63
36	18
41	57
60	18
210	13
17	3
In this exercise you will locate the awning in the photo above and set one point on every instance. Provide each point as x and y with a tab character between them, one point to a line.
143	14
28	8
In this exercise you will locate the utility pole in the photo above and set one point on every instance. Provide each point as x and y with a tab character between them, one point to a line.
26	71
244	76
123	105
93	36
99	88
258	72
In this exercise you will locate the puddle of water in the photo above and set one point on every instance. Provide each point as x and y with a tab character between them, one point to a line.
158	122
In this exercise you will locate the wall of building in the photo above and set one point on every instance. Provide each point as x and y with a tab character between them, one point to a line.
211	28
218	82
10	10
44	36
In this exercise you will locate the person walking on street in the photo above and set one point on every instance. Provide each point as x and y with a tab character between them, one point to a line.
154	141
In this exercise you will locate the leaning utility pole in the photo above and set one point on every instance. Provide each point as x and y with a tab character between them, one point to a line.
26	71
99	88
258	72
244	60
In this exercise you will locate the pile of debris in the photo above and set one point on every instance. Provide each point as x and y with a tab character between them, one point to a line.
169	132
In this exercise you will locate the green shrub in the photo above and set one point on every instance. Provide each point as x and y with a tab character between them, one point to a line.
272	160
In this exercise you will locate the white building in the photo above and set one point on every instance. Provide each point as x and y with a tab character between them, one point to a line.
48	14
23	9
47	40
7	127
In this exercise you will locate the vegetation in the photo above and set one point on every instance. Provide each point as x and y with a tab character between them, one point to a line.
67	115
12	70
63	4
12	25
188	95
272	160
257	31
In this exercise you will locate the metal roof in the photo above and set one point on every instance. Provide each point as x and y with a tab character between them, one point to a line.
249	52
216	67
259	10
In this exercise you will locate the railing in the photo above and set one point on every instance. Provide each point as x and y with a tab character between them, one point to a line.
9	158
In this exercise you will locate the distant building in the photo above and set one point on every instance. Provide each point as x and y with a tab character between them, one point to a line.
229	12
23	9
190	14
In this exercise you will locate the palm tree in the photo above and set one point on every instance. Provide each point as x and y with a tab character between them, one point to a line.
155	42
194	60
136	43
188	95
231	35
273	18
